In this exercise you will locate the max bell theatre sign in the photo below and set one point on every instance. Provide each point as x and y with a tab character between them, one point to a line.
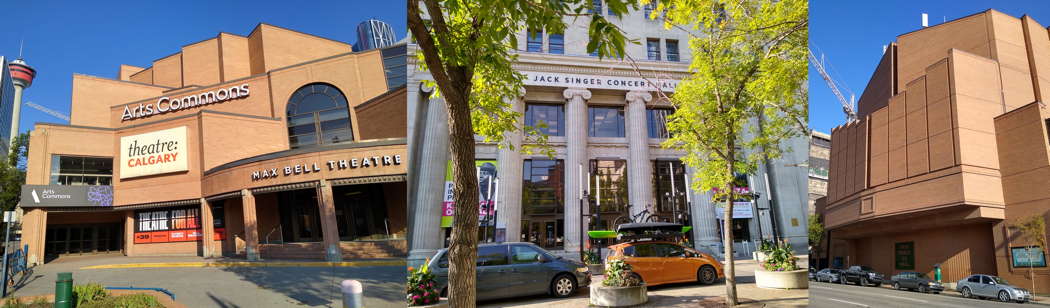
331	165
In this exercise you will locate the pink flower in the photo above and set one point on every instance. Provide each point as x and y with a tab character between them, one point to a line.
426	293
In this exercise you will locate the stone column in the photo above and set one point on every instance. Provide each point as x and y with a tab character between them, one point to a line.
207	230
705	220
329	224
576	154
510	167
251	225
129	233
639	168
427	236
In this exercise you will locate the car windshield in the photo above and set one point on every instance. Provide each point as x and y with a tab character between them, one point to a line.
998	280
920	275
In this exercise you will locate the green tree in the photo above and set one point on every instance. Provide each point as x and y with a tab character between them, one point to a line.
13	172
816	230
466	46
748	63
1033	230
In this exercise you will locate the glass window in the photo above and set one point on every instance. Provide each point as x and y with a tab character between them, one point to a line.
492	255
974	278
318	114
649	8
78	170
608	188
524	255
668	174
672	50
657	122
534	41
653	47
556	43
986	280
669	250
596	7
551	116
543	212
644	250
395	65
606	121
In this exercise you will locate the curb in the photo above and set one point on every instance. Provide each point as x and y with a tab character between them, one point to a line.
250	264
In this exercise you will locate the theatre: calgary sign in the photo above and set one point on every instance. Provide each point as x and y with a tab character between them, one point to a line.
167	104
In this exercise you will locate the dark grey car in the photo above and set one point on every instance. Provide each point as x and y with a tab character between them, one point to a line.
982	286
517	269
915	281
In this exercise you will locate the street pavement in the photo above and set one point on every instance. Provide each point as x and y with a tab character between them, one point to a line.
284	284
682	295
829	295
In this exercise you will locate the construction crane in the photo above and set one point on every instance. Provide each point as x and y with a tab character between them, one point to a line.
847	106
48	111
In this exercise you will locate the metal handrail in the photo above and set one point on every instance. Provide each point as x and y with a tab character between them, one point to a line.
271	233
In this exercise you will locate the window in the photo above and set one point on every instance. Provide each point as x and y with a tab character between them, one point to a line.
492	255
550	116
653	47
543	212
657	122
672	50
534	41
669	250
596	7
318	114
974	278
668	174
606	121
77	170
643	250
986	280
608	187
904	256
524	255
556	43
394	65
649	8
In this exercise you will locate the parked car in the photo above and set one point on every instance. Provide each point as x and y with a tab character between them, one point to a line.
829	275
988	286
660	262
915	281
862	275
517	269
812	274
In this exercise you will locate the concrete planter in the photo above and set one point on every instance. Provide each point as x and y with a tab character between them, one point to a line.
618	296
440	304
596	269
797	279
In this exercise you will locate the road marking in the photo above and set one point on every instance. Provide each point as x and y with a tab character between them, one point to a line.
251	264
911	299
819	287
848	302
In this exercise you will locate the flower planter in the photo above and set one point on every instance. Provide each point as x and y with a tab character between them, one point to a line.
797	279
596	269
618	296
440	304
759	256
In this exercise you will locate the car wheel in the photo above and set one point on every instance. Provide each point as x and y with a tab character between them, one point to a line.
1004	297
639	277
896	286
706	275
863	282
966	292
444	292
922	289
842	280
563	286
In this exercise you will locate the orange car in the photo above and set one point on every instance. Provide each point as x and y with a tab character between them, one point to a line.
659	262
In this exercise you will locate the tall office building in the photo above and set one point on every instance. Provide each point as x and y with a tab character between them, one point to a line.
7	101
374	33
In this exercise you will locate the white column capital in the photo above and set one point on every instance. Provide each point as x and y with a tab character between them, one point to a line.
571	93
639	96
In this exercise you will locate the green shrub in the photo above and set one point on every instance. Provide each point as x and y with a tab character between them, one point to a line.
620	274
40	302
86	293
590	257
780	258
420	289
140	300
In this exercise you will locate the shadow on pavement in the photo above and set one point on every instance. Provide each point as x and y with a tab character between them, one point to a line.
221	302
319	286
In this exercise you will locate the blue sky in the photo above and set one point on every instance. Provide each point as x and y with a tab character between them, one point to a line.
95	37
851	35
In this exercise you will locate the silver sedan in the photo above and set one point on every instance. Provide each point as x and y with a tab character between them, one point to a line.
982	286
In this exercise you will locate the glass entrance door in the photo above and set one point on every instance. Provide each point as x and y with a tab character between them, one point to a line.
361	212
300	216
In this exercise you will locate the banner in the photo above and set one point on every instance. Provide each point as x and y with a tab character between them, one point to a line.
487	170
1028	256
740	210
171	225
162	151
67	195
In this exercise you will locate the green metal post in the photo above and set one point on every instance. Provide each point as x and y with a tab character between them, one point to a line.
64	290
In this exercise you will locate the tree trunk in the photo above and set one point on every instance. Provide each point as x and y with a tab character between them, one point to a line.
727	232
463	249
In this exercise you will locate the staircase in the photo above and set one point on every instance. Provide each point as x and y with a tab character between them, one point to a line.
351	250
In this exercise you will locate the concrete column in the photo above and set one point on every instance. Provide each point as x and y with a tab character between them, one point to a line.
510	167
251	225
129	233
427	236
576	154
34	227
207	230
329	224
640	170
705	220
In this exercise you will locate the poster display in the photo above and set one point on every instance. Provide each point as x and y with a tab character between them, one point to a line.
487	191
171	225
1032	256
157	152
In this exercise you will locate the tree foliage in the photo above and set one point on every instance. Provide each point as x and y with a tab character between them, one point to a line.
744	95
816	230
467	45
13	172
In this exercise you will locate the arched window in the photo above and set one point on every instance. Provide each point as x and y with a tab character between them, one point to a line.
318	114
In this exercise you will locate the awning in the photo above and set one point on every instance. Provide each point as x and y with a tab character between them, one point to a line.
370	180
284	187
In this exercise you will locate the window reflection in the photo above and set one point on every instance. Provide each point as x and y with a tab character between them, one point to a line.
606	121
318	114
543	211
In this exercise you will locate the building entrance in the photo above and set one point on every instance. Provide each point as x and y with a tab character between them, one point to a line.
300	215
83	239
361	213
